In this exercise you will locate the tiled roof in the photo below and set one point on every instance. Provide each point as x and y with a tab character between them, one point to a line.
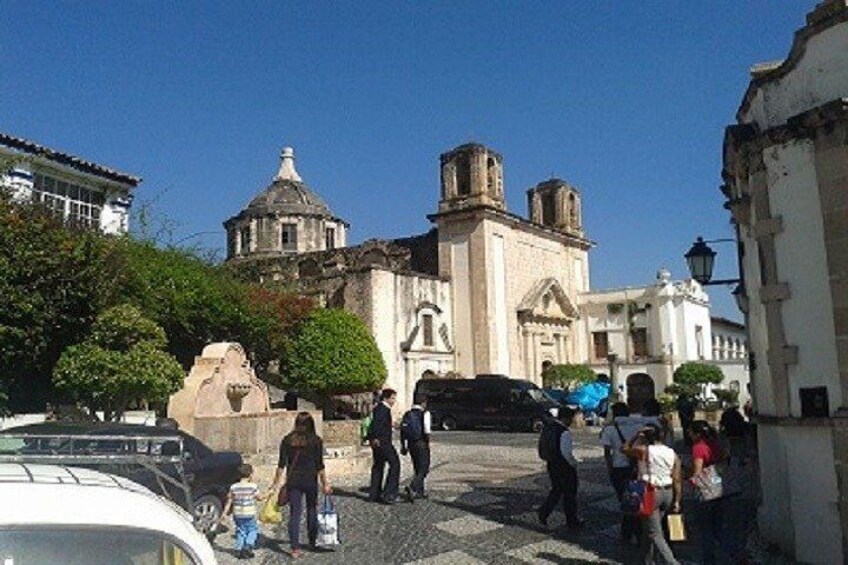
67	159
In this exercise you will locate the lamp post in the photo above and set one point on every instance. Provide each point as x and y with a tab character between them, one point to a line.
701	258
612	358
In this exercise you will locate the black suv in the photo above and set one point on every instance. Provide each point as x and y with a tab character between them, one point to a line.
208	473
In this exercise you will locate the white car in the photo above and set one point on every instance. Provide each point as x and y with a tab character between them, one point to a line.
75	516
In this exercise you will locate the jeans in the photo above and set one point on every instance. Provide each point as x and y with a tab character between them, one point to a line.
384	453
563	485
296	494
629	524
653	537
246	531
420	453
712	522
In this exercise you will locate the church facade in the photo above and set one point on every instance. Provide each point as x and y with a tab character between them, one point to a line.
485	291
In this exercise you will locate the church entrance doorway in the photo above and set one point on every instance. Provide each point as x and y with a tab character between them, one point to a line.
640	388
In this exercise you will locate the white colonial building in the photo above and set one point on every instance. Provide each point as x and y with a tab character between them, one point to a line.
650	331
786	184
79	191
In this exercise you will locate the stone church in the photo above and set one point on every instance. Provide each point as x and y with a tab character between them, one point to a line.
484	291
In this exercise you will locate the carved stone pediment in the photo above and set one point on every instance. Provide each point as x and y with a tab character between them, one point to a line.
548	302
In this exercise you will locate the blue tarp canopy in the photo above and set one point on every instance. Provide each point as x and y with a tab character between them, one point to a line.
587	397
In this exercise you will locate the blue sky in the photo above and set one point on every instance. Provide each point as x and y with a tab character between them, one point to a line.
626	100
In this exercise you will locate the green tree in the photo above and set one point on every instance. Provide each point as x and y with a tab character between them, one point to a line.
332	352
568	375
691	378
121	364
54	279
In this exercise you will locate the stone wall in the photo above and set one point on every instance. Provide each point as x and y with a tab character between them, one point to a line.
341	432
249	434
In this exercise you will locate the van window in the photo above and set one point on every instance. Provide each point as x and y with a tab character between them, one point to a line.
90	546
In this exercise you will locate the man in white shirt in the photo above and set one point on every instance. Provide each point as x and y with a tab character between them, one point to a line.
416	428
562	471
614	435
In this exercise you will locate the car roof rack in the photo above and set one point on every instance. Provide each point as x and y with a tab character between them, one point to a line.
90	450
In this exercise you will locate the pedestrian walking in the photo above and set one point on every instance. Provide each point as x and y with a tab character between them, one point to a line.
620	468
713	515
556	447
686	414
302	462
241	500
415	429
380	438
652	410
659	467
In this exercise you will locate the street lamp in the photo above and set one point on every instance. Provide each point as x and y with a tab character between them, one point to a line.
612	358
701	258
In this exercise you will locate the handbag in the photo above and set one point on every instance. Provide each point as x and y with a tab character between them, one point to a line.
639	495
283	495
328	523
676	527
717	481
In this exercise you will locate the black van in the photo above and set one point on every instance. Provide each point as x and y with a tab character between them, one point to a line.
487	401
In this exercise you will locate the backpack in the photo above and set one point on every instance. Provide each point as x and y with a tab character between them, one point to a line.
549	442
365	428
412	426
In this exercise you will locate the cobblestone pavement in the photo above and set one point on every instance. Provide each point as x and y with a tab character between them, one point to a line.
484	488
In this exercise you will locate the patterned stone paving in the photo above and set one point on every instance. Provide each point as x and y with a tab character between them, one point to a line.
485	487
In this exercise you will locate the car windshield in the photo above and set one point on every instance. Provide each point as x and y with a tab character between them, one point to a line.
90	546
540	396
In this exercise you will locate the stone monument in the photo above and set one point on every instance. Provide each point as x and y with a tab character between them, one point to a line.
221	383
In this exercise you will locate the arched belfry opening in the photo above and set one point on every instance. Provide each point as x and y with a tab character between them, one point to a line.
472	176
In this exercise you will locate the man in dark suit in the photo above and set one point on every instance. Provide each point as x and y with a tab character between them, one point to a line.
380	438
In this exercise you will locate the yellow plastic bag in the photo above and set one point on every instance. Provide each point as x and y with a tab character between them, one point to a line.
270	512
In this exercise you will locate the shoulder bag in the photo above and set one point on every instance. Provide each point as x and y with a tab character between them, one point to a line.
638	497
717	481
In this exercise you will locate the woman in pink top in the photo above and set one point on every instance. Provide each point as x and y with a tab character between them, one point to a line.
712	514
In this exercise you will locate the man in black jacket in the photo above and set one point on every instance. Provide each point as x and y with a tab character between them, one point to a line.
380	438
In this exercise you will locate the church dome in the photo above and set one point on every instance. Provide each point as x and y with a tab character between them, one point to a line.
288	194
288	197
286	218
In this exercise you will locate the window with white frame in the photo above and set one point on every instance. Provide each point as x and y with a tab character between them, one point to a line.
330	238
76	203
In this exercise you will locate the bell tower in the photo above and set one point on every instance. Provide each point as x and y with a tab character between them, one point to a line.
556	204
472	176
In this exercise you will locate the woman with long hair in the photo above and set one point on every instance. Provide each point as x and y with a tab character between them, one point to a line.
659	466
712	514
302	460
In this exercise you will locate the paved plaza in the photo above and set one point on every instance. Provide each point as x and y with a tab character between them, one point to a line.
484	488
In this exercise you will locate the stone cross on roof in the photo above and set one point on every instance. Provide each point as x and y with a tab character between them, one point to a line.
287	170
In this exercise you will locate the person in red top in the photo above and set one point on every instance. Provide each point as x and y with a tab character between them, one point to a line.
712	514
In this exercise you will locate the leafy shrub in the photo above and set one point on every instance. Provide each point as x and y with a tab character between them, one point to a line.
567	375
332	352
121	364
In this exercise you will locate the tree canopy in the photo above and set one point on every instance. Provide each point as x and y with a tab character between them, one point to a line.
122	363
332	352
567	375
55	279
690	379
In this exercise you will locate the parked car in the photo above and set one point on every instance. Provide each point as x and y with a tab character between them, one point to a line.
208	473
487	401
77	516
